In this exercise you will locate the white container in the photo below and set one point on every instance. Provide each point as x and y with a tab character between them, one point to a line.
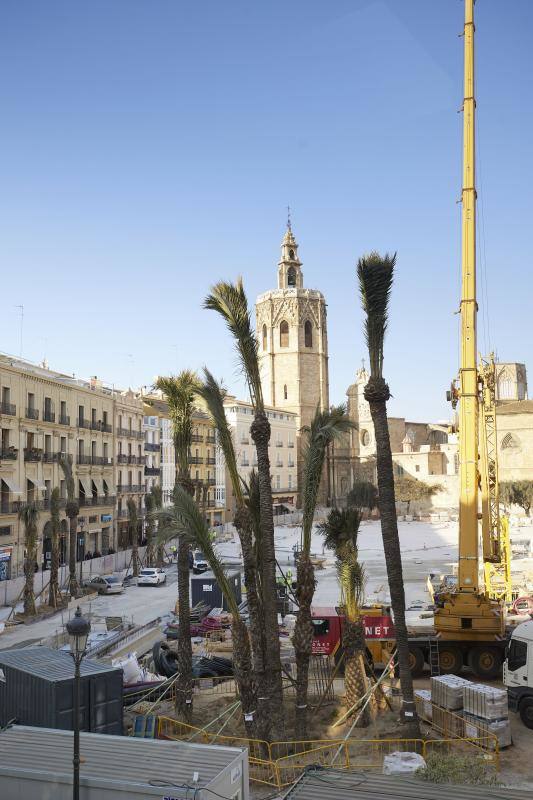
402	763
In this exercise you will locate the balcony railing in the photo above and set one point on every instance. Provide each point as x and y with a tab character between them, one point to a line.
105	427
210	460
279	463
290	444
210	439
32	413
64	419
245	463
212	481
32	454
101	461
211	503
245	440
82	459
100	500
50	458
83	423
152	471
125	458
279	444
131	488
196	460
150	447
284	489
197	438
49	416
8	408
9	453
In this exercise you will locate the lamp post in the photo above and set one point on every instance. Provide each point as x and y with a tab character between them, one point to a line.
78	630
81	540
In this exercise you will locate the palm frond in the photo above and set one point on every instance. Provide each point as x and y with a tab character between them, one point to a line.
230	301
132	513
375	274
363	494
157	495
179	391
325	427
29	516
213	393
341	529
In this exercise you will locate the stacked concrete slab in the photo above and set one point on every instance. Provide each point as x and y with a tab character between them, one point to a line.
486	711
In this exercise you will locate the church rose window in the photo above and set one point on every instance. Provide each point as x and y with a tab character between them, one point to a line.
284	334
264	337
291	277
308	329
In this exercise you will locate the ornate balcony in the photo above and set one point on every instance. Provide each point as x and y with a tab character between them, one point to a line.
64	419
196	460
9	454
49	416
32	454
152	471
150	447
8	408
32	413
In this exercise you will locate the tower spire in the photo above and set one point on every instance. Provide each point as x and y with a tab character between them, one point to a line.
289	219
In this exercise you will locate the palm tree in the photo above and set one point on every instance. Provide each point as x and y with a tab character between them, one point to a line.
134	534
54	595
230	301
213	395
375	274
157	498
72	510
179	392
363	494
29	516
340	532
325	427
184	519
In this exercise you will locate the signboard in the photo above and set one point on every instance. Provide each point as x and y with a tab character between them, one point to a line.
106	517
378	627
5	553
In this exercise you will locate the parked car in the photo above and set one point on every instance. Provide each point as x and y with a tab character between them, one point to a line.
199	563
105	584
151	576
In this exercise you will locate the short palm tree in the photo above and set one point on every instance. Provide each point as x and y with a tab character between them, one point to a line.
325	427
133	524
363	495
185	520
72	511
29	516
213	394
230	301
375	274
54	595
179	392
340	532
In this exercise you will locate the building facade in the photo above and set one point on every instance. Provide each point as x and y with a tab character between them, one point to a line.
291	327
152	449
130	460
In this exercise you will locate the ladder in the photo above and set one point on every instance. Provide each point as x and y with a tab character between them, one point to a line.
434	662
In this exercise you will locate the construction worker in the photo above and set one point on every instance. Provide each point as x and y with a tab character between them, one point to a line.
288	579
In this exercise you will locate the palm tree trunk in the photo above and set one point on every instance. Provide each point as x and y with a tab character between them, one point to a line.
135	551
355	680
73	587
303	640
29	578
242	664
243	525
53	589
377	393
184	688
273	698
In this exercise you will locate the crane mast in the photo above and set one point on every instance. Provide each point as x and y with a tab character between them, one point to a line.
468	614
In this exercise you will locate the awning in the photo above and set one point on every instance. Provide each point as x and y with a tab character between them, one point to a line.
99	486
87	485
38	483
12	485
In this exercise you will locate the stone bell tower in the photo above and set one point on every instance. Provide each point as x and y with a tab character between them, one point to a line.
293	341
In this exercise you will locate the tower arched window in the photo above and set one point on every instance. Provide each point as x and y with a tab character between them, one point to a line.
284	334
291	255
291	276
264	337
308	333
285	392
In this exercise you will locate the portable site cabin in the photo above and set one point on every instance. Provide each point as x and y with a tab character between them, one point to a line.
205	589
37	763
38	689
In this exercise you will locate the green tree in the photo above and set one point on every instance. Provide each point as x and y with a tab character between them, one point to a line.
411	490
54	595
179	392
363	495
340	532
326	427
29	516
230	301
375	275
213	394
185	520
72	511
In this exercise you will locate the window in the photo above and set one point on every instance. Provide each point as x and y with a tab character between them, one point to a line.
285	392
284	334
264	337
80	447
320	627
31	401
417	467
63	409
516	655
62	489
290	481
105	450
291	276
48	409
93	450
365	438
278	482
47	444
81	413
308	334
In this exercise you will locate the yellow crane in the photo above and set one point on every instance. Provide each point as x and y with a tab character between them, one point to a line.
469	623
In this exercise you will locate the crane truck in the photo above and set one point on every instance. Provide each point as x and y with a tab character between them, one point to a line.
469	617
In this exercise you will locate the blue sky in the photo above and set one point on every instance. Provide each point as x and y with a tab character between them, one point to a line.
150	147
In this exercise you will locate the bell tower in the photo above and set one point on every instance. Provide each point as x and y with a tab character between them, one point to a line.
290	275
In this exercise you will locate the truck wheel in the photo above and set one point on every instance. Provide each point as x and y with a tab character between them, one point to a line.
416	661
450	660
526	712
485	662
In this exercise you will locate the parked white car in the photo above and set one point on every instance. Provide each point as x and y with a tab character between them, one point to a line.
151	576
105	584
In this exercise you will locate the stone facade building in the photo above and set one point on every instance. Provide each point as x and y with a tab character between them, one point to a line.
130	461
291	327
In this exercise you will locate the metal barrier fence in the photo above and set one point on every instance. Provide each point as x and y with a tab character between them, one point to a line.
279	764
455	727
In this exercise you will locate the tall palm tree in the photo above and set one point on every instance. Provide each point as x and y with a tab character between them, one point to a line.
230	301
179	392
375	274
340	532
157	498
184	519
150	502
29	516
133	525
326	426
72	511
213	394
54	595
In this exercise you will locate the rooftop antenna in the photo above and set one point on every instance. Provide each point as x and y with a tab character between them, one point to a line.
21	325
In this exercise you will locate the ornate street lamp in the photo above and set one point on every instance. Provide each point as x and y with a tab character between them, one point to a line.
78	630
